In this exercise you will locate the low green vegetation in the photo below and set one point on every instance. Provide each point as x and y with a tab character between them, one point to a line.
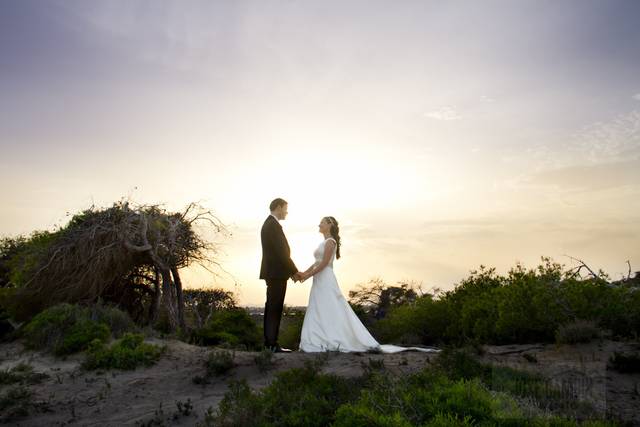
264	360
64	329
231	327
128	352
578	331
69	328
17	402
456	391
297	397
21	374
218	363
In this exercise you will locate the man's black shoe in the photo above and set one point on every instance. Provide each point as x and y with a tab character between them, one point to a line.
277	349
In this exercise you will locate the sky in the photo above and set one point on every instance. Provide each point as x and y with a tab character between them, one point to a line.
441	135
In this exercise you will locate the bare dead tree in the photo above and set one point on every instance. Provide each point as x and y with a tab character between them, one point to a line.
576	271
114	247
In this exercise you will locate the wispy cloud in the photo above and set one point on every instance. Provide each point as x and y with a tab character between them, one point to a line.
636	96
591	177
599	143
611	141
444	113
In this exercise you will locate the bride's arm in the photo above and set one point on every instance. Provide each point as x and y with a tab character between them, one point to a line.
326	257
309	269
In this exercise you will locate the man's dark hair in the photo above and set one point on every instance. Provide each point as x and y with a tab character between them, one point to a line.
276	203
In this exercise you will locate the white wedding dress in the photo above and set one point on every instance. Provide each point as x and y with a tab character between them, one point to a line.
330	324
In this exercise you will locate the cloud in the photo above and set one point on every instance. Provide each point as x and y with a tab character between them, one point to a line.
444	113
636	96
612	141
591	177
604	142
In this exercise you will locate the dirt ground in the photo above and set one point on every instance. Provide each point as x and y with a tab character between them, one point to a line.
116	398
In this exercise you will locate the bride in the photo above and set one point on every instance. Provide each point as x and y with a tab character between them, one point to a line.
329	322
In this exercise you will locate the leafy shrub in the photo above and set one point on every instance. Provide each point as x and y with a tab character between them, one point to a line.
18	401
7	331
425	321
201	304
15	402
119	321
375	298
523	306
127	353
417	399
458	363
264	360
22	374
219	362
18	258
234	327
64	329
578	331
300	396
457	390
625	362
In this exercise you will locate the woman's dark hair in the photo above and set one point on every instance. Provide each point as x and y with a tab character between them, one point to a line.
335	232
277	203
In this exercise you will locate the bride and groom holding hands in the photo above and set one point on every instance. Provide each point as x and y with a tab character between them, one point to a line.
330	324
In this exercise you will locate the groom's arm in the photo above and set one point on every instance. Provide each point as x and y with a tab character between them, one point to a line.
280	248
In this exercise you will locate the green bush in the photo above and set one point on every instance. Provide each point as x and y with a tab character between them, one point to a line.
119	321
233	327
16	402
457	364
457	391
128	352
578	331
297	397
523	306
199	304
64	329
219	362
21	374
264	360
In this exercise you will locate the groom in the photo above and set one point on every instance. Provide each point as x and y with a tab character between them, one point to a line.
276	268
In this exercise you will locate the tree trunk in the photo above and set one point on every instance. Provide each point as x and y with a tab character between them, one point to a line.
167	299
155	301
178	284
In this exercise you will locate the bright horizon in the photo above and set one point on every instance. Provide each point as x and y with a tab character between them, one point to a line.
441	136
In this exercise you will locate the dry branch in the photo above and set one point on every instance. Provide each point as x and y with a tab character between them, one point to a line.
110	249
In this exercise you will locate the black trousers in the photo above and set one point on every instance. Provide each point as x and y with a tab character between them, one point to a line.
276	289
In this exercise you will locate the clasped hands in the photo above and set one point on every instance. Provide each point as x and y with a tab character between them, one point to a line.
299	277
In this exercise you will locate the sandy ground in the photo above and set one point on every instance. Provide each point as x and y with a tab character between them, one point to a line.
116	398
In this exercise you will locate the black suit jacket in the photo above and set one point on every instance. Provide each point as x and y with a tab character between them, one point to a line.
276	254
